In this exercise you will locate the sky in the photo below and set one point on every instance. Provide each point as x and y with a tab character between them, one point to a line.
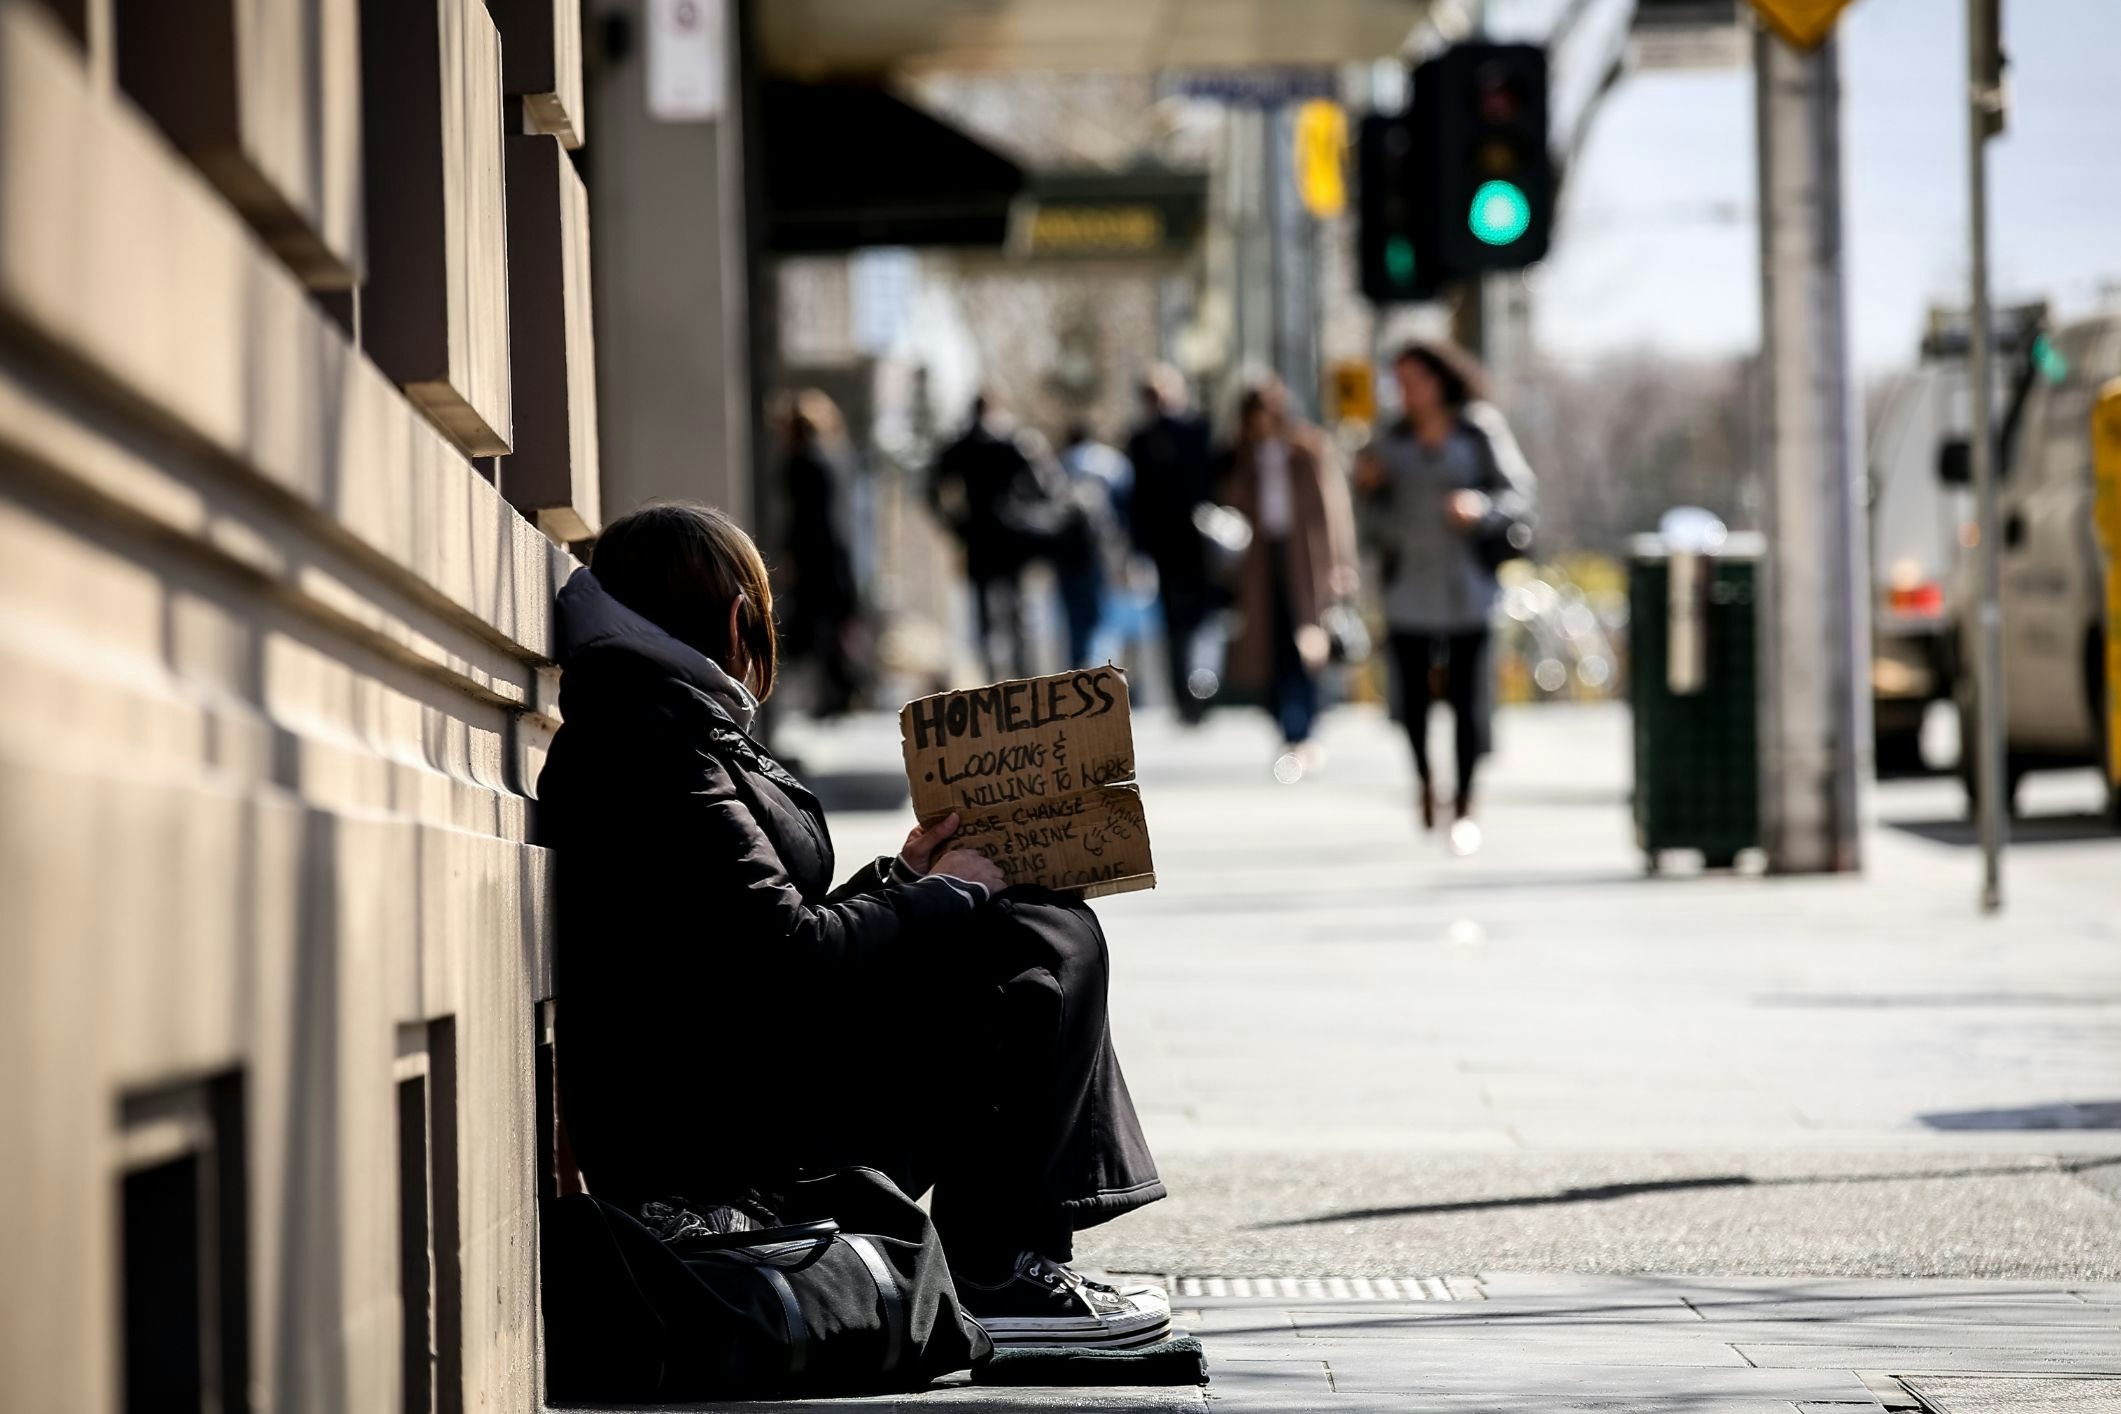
1658	249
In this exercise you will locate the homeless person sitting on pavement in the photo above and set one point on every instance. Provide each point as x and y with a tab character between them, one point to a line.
733	1023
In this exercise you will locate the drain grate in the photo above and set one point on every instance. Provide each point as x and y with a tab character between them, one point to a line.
1330	1288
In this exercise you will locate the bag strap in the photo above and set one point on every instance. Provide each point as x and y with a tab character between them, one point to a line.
791	1314
819	1231
887	1290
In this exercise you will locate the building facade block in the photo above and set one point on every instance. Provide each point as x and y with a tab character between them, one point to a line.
265	97
541	63
434	310
551	476
279	683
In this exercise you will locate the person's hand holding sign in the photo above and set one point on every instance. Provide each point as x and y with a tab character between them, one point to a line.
919	855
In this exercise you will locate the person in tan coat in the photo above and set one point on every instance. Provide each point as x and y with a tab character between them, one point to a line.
1282	473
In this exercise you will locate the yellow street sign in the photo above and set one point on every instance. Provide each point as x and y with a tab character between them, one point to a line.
1114	228
1321	158
1351	390
1804	23
2106	514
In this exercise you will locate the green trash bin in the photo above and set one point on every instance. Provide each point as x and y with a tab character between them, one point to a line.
1693	680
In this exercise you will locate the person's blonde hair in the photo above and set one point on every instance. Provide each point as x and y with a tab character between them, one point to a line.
681	565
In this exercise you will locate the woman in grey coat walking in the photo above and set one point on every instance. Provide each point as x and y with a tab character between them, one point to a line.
1448	498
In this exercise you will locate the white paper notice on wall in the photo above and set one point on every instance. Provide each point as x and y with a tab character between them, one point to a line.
686	79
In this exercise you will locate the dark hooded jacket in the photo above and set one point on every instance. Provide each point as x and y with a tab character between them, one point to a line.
698	935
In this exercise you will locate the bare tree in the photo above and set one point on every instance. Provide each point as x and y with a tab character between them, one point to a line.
1619	441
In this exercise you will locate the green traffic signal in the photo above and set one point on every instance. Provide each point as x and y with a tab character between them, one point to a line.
2049	360
1399	260
1500	213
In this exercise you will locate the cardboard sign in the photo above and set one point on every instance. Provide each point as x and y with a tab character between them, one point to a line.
1041	774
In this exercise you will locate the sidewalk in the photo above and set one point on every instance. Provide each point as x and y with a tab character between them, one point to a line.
1545	1344
1698	1144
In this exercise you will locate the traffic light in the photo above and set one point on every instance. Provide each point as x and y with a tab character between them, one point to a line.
1480	111
1395	235
1462	182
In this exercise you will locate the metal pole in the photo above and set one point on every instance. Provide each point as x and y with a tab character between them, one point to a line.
1988	632
1815	698
1294	264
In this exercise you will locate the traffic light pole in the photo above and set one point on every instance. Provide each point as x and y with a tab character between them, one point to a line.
1815	697
1983	109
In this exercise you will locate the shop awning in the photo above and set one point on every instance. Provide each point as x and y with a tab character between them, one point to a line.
812	38
852	165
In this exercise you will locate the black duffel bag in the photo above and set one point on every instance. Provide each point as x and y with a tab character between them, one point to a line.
850	1294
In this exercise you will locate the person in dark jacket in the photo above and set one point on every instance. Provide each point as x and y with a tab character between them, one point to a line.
1172	476
732	1020
977	485
822	617
1448	496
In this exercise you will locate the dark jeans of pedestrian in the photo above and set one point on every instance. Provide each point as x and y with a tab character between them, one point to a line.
1293	693
824	639
1184	598
999	599
1082	594
1468	685
987	1072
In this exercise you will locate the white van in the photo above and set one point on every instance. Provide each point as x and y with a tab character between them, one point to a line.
1916	519
2052	569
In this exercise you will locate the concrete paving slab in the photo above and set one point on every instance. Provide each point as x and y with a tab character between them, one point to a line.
2033	1313
1605	1345
1512	1385
2032	1356
2097	1344
1742	1288
1966	1394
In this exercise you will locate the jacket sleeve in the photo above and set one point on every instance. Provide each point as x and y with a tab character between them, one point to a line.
762	918
877	875
1511	487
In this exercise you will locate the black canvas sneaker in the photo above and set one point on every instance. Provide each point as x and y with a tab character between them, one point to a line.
1132	1288
1044	1303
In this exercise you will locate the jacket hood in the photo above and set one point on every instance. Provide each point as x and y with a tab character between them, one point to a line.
588	617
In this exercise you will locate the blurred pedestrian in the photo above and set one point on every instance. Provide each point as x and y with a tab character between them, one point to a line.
824	598
971	487
1172	477
1283	476
1449	499
1100	480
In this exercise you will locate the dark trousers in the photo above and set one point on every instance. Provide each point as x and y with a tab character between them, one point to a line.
1082	595
824	637
1293	692
1462	661
998	597
988	1074
1184	599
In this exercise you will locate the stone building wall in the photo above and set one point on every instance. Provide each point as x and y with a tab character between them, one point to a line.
276	655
